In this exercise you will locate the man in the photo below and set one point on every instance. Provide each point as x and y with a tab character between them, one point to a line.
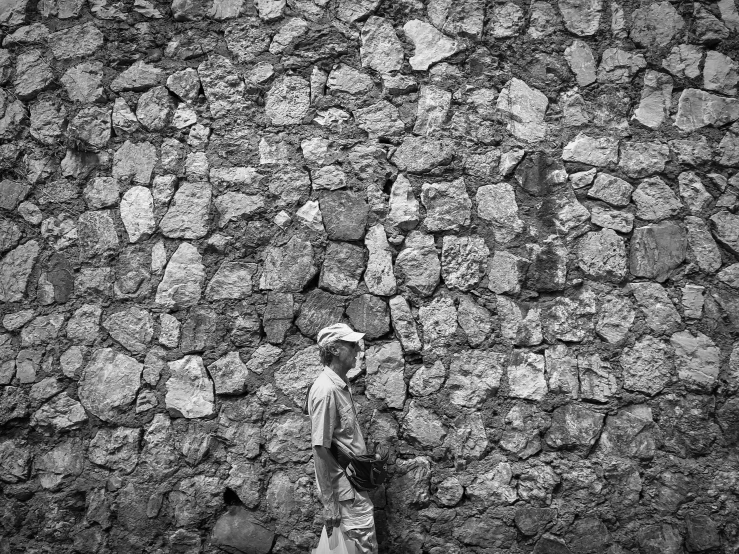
334	419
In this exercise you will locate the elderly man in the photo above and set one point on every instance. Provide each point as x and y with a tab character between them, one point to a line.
334	420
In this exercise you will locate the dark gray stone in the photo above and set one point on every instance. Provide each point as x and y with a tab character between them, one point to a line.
657	249
319	310
574	427
199	330
370	315
344	215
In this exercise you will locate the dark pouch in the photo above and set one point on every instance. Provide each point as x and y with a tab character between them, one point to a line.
364	472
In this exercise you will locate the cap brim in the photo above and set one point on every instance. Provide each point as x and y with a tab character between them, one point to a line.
354	336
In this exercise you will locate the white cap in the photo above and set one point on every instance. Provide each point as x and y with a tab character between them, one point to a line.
338	331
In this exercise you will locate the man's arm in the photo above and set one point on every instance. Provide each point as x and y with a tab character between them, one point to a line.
324	462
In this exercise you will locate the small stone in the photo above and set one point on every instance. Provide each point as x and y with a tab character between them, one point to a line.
185	84
270	10
706	27
599	152
694	194
288	101
510	160
124	120
620	221
198	332
384	379
417	265
223	86
616	318
183	279
83	326
475	321
91	126
655	200
329	177
496	203
574	427
421	155
189	389
288	268
683	61
137	213
581	17
726	229
404	324
344	215
582	63
78	41
505	271
647	366
602	255
597	383
370	315
32	75
463	261
233	280
30	213
506	20
641	159
342	268
155	109
319	310
379	276
659	312
344	78
427	380
115	449
404	208
134	163
289	33
423	427
97	234
109	384
619	66
430	45
27	365
524	108
520	323
309	214
47	121
656	100
521	436
657	249
169	334
655	25
229	374
235	205
561	369
15	269
380	48
139	77
447	205
132	328
526	376
187	216
697	109
692	301
433	110
154	364
720	73
439	323
697	359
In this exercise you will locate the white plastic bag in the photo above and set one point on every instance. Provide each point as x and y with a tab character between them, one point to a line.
336	544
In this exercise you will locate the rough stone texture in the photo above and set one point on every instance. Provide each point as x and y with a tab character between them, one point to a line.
181	181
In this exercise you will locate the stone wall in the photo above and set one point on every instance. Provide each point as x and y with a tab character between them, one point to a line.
528	207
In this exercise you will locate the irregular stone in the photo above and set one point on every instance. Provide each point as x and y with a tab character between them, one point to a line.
694	194
706	28
602	255
32	75
697	359
619	66
417	265
291	187
561	370
183	279
91	127
432	111
522	433
109	383
188	212
289	33
423	427
198	332
531	521
447	205
683	61
641	159
647	366
344	78
189	389
296	375
342	268
385	368
370	315
344	215
430	46
575	428
232	280
12	193
137	213
526	376
463	261
223	86
620	221
506	20
328	178
581	17
83	326
662	538
616	318
656	250
599	152
728	149
496	203
185	84
720	73
439	323
692	300
655	25
580	58
238	530
380	48
421	155
475	321
155	108
138	77
15	269
62	463
124	120
597	382
115	449
474	376
135	163
661	315
655	200
656	100
379	276
61	413
319	310
427	380
132	328
519	322
288	268
235	205
288	101
697	109
524	108
229	374
47	121
505	271
404	324
404	208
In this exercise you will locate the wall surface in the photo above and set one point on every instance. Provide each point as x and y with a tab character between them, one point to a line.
528	207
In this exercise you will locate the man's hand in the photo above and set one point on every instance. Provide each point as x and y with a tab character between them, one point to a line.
332	515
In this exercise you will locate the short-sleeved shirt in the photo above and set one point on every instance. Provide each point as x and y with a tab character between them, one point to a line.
334	418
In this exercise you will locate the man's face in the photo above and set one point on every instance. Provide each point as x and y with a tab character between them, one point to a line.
346	353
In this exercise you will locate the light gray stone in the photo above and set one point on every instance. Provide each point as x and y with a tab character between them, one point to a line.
655	200
505	272
32	75
524	108
561	371
602	255
381	48
385	366
342	268
463	261
620	221
526	376
344	78
726	229
155	108
447	205
288	268
647	366
137	213
692	300
659	311
229	374
183	279
599	152
474	376
123	118
132	328
694	194
423	427
233	280
189	389
506	20
185	84
439	323
379	276
139	77
581	17
430	46
421	155
417	266
574	427
433	110
720	73
223	86
616	318
520	323
655	25
15	269
496	203
115	449
288	101
619	66
641	159
656	100
475	321
580	58
109	383
684	60
134	162
697	359
404	208
330	177
404	324
296	375
427	380
597	381
188	212
697	109
657	249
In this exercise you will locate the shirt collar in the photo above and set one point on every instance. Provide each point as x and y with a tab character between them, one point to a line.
334	378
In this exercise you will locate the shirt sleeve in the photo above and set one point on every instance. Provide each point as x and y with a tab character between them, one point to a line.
323	420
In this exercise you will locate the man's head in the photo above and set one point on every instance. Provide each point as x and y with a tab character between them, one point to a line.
338	346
